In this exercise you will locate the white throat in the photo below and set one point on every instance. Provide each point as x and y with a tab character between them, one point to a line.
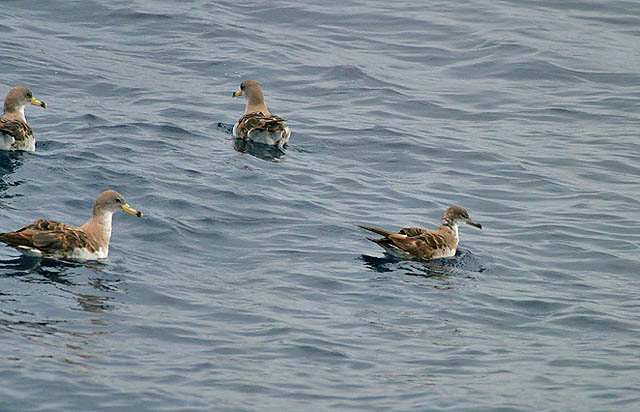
104	221
21	113
455	230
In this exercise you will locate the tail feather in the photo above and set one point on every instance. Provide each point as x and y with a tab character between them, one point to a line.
381	232
381	241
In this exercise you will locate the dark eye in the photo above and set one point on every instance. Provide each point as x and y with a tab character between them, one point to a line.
29	95
242	87
118	200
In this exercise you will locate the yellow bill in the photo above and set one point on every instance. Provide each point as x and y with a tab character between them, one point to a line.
37	102
131	210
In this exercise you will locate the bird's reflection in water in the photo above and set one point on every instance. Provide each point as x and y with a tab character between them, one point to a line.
61	274
47	308
429	269
259	150
9	163
93	303
436	268
53	270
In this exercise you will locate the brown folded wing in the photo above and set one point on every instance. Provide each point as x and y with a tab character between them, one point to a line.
413	231
416	242
422	246
253	121
49	237
16	128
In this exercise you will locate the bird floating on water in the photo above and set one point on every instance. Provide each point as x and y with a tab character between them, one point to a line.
421	244
15	133
258	124
87	242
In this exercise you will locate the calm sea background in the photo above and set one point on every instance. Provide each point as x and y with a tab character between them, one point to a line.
247	286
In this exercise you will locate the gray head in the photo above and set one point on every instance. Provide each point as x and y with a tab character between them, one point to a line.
252	91
111	202
18	98
456	215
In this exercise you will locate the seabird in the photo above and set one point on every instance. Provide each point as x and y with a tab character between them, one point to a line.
90	241
15	133
421	244
258	124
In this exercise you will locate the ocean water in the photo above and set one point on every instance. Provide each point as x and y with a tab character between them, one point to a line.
247	285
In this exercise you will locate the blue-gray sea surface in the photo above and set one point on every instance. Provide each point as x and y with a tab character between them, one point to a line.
247	285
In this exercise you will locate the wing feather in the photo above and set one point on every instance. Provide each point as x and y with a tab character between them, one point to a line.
17	129
415	242
251	123
51	238
413	231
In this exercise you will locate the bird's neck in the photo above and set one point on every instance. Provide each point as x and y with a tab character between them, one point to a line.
451	227
15	112
256	104
99	227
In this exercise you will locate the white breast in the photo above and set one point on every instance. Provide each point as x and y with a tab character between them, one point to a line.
444	253
78	254
84	254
